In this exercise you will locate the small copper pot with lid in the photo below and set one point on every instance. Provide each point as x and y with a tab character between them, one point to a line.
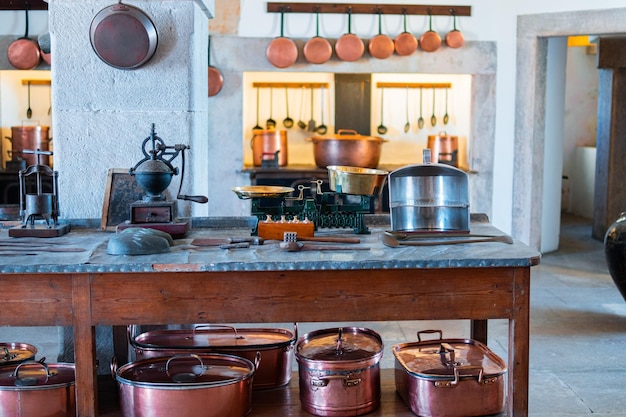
444	148
339	371
269	147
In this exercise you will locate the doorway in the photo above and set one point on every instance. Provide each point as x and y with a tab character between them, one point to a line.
530	105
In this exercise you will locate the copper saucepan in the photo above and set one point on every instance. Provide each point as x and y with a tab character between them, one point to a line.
405	43
216	80
282	52
349	47
24	53
317	50
430	41
454	38
123	36
381	46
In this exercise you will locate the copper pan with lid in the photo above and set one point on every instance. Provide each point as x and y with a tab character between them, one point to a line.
381	46
317	50
349	47
282	52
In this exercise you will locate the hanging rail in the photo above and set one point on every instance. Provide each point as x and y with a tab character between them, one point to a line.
21	5
290	85
355	8
36	82
413	85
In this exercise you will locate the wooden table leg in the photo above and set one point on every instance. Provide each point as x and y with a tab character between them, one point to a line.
478	330
519	337
84	348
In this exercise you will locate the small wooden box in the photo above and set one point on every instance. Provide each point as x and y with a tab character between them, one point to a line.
276	230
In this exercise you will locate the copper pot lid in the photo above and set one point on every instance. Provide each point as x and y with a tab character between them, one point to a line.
186	370
216	336
11	353
33	375
437	359
340	345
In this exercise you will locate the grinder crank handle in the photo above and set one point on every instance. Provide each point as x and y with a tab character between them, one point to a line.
195	198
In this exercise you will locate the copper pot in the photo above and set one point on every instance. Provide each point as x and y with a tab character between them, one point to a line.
317	50
449	377
405	43
31	138
454	38
206	385
275	347
339	372
347	148
35	389
215	80
444	148
430	41
381	46
269	146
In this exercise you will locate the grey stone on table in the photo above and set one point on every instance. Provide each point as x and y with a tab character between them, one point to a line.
139	241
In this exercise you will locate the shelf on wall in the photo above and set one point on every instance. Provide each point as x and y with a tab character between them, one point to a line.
36	82
21	5
413	85
356	8
289	85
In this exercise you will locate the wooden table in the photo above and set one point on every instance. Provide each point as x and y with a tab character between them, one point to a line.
479	282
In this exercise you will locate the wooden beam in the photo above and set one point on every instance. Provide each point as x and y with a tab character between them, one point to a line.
355	8
21	5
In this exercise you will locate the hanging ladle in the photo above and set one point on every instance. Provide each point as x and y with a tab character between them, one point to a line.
301	123
381	129
271	123
257	126
322	129
420	121
29	111
407	125
311	127
433	118
446	118
288	121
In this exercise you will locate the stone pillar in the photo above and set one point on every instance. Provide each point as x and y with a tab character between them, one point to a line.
610	193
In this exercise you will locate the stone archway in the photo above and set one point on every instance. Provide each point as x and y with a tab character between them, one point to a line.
532	45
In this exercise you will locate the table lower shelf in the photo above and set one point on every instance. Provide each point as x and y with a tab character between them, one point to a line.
283	402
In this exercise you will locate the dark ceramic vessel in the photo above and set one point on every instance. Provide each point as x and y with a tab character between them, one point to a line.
615	252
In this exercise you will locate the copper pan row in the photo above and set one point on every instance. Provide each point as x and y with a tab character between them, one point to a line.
282	51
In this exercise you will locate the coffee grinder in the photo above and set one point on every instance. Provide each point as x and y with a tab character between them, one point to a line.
39	200
154	174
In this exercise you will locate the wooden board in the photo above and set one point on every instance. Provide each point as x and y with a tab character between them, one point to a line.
121	190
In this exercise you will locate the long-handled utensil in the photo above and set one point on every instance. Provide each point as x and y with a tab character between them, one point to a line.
299	247
311	126
29	111
420	121
257	126
382	129
288	121
446	118
407	125
433	118
293	237
271	123
301	123
393	242
322	128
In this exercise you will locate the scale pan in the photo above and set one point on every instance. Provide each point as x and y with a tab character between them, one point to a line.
261	191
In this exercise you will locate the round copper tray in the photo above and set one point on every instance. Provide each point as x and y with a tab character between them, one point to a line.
261	191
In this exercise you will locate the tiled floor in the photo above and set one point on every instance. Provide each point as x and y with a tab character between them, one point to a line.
578	332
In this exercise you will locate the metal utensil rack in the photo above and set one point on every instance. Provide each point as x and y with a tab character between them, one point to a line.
325	209
356	8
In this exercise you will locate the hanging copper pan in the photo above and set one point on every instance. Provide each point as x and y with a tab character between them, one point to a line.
24	53
44	47
349	47
282	52
454	38
216	81
123	36
430	41
317	50
405	43
381	46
